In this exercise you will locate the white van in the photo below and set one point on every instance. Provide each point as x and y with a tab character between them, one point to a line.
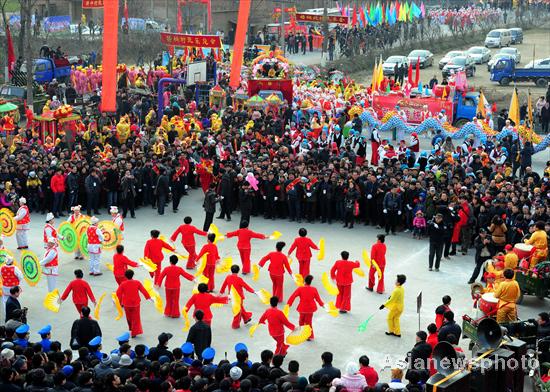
498	38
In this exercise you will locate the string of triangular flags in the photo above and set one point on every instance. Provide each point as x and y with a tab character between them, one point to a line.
375	14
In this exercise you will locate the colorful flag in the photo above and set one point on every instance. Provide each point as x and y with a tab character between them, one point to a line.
362	17
11	51
354	17
530	114
423	9
417	73
481	104
380	73
126	13
179	20
513	112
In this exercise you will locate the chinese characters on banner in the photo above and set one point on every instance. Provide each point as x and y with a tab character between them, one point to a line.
301	17
92	3
198	41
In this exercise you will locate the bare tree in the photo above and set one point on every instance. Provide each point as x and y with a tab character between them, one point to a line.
26	10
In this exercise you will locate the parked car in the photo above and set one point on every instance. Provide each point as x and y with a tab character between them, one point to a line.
18	96
388	66
517	35
496	58
539	64
460	63
498	38
514	52
479	53
426	58
453	53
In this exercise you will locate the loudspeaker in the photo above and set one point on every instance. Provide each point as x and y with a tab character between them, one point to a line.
445	358
489	333
457	383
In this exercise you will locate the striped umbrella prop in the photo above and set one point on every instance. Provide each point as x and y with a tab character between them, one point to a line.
112	236
30	266
83	244
7	222
81	225
69	243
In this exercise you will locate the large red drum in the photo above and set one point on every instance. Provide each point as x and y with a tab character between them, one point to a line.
523	250
488	304
438	90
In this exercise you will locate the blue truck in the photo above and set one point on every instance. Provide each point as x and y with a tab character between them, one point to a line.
504	72
46	69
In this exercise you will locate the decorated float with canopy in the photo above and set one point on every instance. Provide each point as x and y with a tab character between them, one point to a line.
272	72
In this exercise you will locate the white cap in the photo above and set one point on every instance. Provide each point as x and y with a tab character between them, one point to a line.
9	259
93	220
113	210
7	354
76	208
49	217
22	200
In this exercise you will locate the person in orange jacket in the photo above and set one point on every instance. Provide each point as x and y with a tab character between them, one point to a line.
243	244
172	274
278	263
203	300
235	281
276	322
342	273
309	298
81	291
303	246
153	251
212	257
378	255
121	264
128	295
188	231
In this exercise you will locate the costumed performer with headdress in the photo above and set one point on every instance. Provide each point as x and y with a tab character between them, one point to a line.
23	219
50	264
95	238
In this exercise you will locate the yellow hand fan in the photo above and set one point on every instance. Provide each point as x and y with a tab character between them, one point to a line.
202	265
157	300
286	310
214	229
217	305
321	254
186	322
290	261
299	280
359	272
331	309
235	301
264	295
168	241
377	268
110	267
98	306
117	306
180	256
366	258
299	335
50	301
159	303
224	266
203	279
147	264
275	235
255	272
253	329
327	284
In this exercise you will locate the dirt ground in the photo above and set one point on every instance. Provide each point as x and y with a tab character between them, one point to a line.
536	40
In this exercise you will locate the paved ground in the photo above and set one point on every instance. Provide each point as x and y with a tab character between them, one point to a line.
339	335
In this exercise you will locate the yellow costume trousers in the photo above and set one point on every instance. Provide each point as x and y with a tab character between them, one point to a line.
506	313
393	321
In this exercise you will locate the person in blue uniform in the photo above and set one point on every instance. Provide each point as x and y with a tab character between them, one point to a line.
241	351
22	333
187	349
45	334
95	348
208	355
122	340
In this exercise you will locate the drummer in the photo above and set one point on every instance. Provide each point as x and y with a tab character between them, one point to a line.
507	293
72	219
496	267
489	283
117	217
511	259
539	240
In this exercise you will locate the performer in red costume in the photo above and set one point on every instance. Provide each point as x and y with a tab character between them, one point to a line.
303	246
81	291
211	251
378	255
172	274
276	322
278	263
309	298
234	280
153	251
243	244
188	231
121	264
342	273
203	300
128	295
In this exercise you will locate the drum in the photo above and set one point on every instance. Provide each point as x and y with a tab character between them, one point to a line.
523	250
438	90
488	304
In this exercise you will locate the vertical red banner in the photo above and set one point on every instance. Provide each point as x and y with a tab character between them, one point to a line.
238	46
110	55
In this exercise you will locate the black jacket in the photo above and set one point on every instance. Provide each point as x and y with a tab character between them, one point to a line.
200	335
210	200
84	330
329	370
436	232
12	304
449	327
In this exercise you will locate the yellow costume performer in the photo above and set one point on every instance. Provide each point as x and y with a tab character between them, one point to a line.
540	242
507	294
395	306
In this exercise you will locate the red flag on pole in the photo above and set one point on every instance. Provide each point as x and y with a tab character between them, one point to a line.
179	20
417	74
209	8
410	74
354	17
126	12
362	16
11	51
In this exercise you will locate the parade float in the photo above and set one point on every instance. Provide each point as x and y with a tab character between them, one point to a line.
52	124
271	72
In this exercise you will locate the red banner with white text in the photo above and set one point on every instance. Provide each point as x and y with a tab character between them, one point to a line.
92	3
194	40
303	17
